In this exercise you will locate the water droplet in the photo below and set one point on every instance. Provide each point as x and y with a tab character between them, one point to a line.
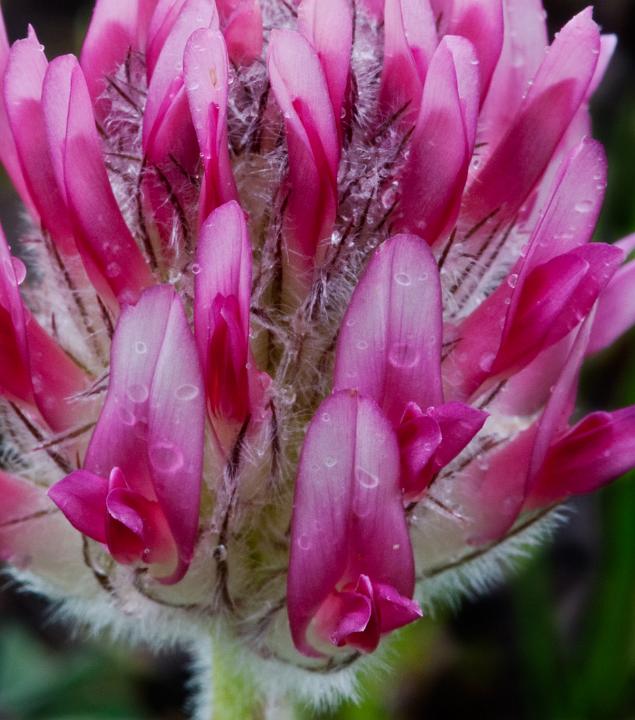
486	362
336	238
366	479
326	418
512	280
113	269
585	206
396	546
140	347
330	462
361	345
304	543
402	278
138	393
403	355
126	416
186	392
350	322
196	268
166	457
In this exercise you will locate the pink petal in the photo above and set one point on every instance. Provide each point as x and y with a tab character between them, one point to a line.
166	120
117	27
560	86
328	26
241	22
482	24
206	69
152	422
26	68
615	312
524	44
8	152
222	295
81	496
112	259
600	448
35	536
347	489
410	39
389	346
442	143
395	610
301	91
160	26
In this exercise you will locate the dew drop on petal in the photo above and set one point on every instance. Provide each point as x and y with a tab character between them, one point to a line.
403	279
126	416
140	347
304	543
366	479
585	206
361	345
166	457
138	393
403	355
187	391
330	461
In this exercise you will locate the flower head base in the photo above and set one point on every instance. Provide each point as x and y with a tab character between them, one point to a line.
309	289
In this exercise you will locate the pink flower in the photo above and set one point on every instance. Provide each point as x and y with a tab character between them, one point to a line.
308	290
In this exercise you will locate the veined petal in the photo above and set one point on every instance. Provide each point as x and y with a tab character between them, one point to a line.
516	164
442	142
389	346
301	91
26	68
347	489
410	39
117	27
112	259
166	120
206	69
328	26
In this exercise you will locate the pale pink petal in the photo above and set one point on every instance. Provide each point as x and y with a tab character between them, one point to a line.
112	259
301	91
347	490
117	28
510	173
389	345
615	312
206	72
23	81
442	143
410	39
328	26
160	26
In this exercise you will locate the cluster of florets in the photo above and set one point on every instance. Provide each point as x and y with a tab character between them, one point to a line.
309	288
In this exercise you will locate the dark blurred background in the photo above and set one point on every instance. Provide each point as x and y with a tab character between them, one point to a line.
557	642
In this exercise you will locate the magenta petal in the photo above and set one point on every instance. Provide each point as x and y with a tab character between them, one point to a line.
222	294
347	489
344	614
206	73
395	610
152	423
419	437
8	153
328	26
389	346
410	39
81	496
110	254
117	28
442	142
160	25
166	120
520	158
241	22
600	448
23	96
481	24
301	91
